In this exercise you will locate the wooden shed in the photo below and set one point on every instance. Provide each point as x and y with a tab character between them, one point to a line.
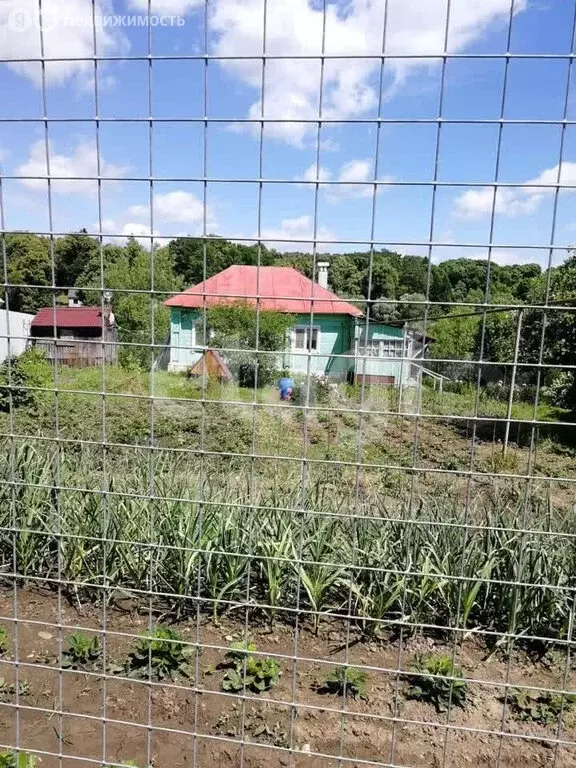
76	336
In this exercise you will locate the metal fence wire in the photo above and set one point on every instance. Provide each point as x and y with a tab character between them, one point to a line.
319	509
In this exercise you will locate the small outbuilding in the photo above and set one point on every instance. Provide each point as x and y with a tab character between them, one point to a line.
211	366
76	336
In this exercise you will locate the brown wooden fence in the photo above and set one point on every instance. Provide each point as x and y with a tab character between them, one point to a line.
77	353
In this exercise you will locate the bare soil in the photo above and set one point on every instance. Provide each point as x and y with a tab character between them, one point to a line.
192	722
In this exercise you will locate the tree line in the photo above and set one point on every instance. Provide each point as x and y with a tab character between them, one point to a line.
389	285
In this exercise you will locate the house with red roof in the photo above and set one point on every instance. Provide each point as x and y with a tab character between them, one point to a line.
76	335
330	335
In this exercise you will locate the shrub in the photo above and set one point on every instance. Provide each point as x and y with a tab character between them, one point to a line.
31	369
434	684
161	653
4	643
251	374
539	706
82	651
349	680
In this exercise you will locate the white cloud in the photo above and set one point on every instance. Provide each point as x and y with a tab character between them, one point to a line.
178	207
512	202
176	7
297	228
315	173
67	32
353	171
349	85
115	232
81	162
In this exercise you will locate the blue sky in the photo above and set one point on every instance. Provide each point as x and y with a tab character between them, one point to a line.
405	151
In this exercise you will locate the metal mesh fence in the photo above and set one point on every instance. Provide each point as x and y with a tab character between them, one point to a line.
286	494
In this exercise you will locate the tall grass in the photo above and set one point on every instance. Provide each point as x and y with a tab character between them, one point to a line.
185	536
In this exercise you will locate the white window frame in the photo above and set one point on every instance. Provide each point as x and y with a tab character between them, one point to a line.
390	348
307	329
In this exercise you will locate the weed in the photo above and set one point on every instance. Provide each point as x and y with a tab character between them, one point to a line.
439	682
349	680
539	706
160	654
18	760
82	651
256	675
9	689
4	643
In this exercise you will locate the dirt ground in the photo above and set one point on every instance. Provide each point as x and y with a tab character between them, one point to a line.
192	722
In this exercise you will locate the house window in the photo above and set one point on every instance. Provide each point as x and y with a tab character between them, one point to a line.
66	333
306	337
201	333
380	347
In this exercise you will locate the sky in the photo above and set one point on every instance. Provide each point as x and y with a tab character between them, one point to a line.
318	184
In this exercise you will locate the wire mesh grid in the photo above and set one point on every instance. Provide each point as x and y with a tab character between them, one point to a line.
371	562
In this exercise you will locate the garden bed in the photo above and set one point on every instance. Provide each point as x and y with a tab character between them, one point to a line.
172	722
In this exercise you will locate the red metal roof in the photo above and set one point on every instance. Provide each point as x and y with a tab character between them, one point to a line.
68	317
282	289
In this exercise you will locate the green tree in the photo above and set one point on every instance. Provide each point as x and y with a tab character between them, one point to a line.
29	262
345	276
73	253
455	339
189	253
552	332
384	280
141	317
238	325
413	277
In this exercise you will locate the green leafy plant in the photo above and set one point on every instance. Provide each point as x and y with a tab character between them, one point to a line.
239	651
540	706
3	641
256	675
18	760
438	683
349	680
83	651
161	653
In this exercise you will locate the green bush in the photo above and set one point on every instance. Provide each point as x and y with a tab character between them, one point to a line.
3	641
20	375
